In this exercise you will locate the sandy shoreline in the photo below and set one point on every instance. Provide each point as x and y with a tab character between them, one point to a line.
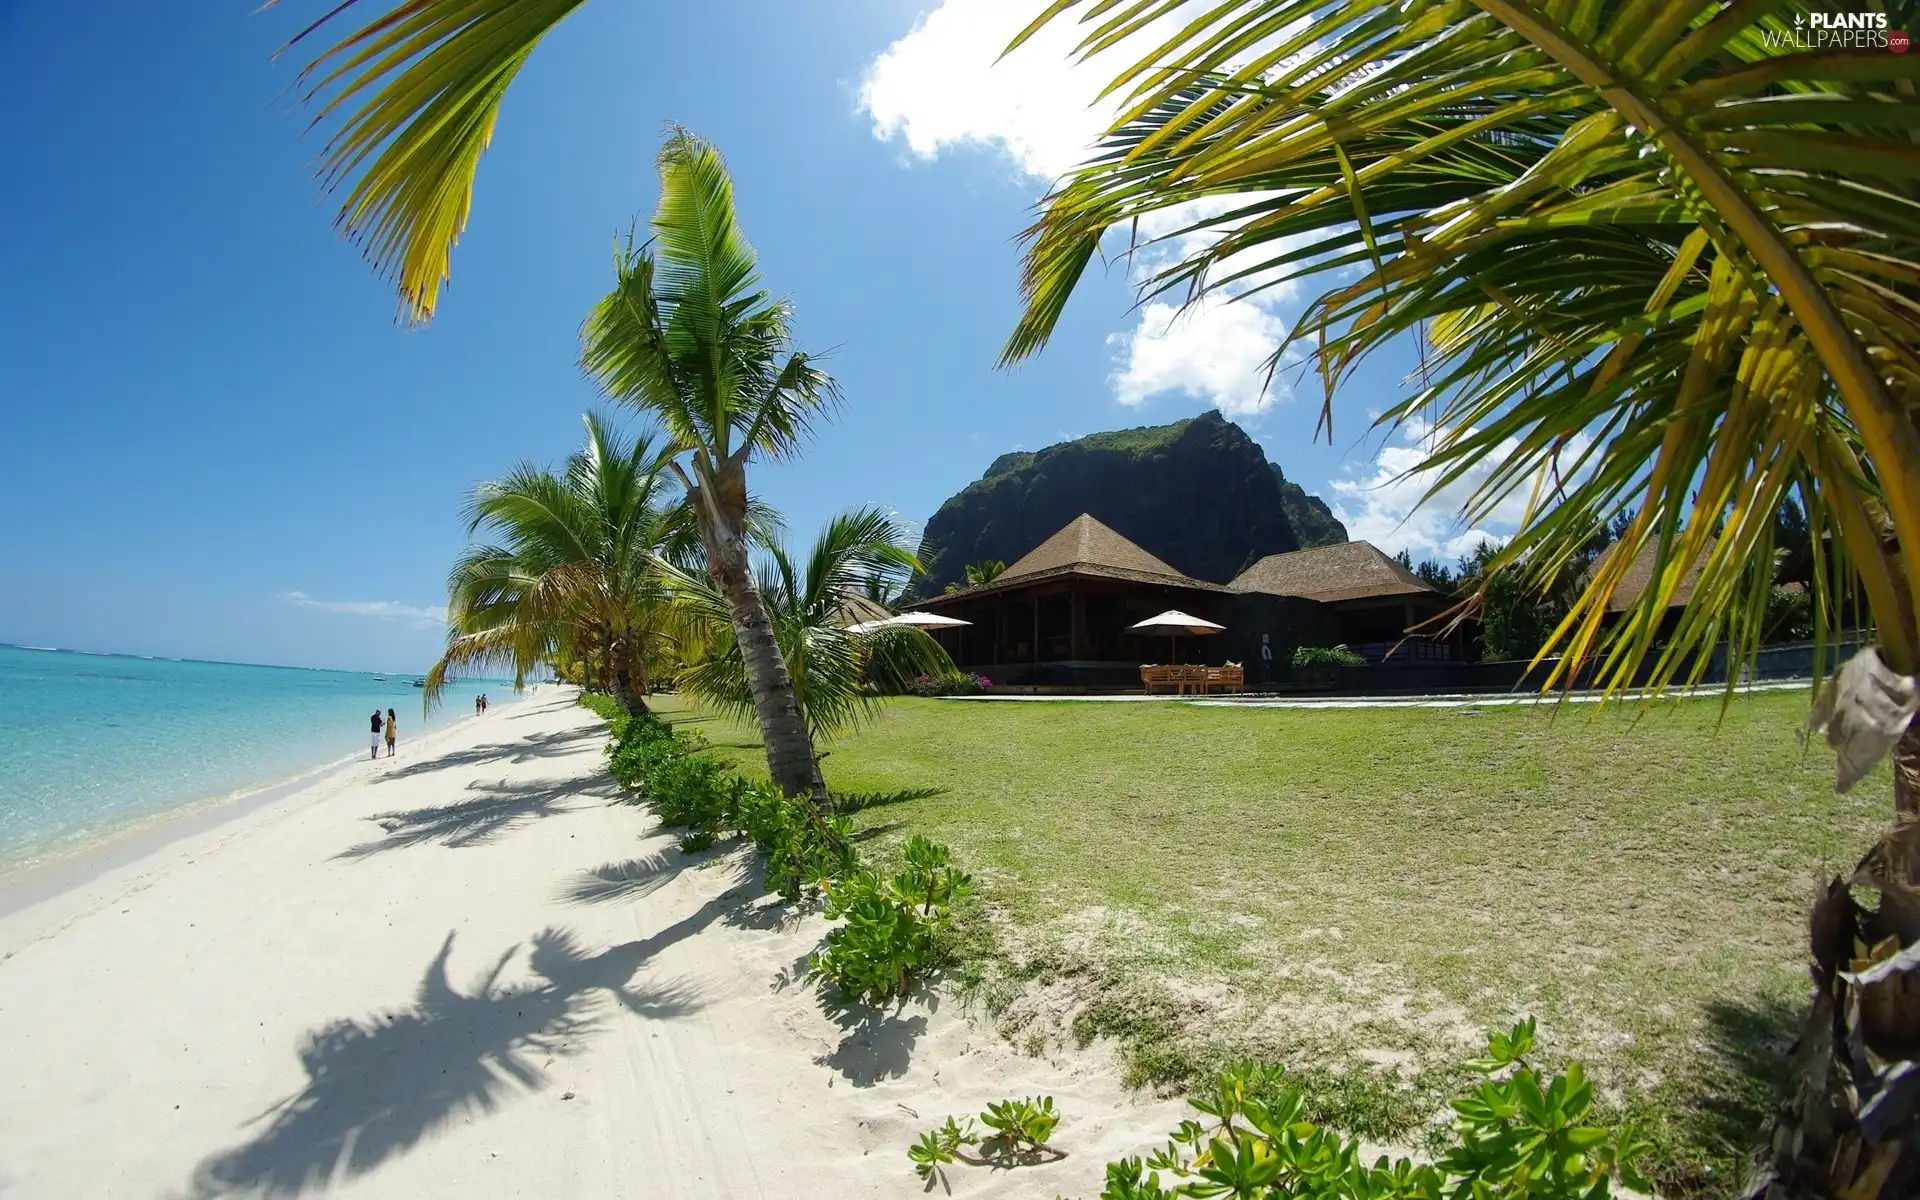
506	985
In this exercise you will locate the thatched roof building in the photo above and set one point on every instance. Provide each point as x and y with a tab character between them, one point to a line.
1059	615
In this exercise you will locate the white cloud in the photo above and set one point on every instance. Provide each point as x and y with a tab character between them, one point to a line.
1214	351
944	84
1382	505
384	609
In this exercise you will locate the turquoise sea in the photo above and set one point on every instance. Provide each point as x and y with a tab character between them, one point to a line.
91	744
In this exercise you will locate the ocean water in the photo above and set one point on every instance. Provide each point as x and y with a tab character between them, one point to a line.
91	744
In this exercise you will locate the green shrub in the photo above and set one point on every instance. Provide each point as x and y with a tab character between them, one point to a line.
892	923
671	774
1513	1137
1021	1126
1326	656
607	709
938	1147
1020	1132
960	683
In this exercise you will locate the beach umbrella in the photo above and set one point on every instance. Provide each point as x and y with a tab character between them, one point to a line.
926	620
917	620
1173	623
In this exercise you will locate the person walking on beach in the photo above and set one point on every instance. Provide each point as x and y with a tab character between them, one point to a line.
483	702
393	731
378	725
476	704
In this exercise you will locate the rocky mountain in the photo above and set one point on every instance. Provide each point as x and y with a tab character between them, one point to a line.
1313	522
1199	494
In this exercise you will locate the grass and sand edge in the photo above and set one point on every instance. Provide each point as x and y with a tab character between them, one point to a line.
1359	894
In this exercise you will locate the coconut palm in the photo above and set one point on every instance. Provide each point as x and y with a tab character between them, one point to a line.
575	575
689	335
837	672
1669	255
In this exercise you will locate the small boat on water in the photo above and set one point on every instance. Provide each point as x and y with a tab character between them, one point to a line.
419	683
379	678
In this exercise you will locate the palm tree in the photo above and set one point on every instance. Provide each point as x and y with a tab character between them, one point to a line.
689	335
836	671
1669	257
576	574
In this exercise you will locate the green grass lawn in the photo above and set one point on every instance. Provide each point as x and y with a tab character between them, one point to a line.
1358	893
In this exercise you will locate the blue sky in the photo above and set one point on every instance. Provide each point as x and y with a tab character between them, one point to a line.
216	442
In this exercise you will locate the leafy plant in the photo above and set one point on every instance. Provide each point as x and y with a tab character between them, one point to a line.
670	773
1021	1126
1021	1129
1514	1136
891	923
1326	656
938	1147
958	683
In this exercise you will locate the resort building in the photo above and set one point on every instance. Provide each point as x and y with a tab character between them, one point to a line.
1060	616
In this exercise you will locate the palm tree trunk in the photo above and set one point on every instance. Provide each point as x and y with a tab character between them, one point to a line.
1906	772
1852	1129
783	731
619	676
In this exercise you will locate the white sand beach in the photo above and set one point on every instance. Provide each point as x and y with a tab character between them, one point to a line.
468	972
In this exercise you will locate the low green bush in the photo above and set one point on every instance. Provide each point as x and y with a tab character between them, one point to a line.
607	708
960	683
892	924
1326	656
1515	1136
671	773
1020	1132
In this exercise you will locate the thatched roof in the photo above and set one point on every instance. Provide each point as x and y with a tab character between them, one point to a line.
1640	574
1345	571
1085	547
855	608
1085	542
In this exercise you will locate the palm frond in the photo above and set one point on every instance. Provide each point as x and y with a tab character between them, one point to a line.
418	91
1668	267
837	675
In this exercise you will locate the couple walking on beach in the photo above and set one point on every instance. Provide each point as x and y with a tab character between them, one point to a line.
387	725
479	704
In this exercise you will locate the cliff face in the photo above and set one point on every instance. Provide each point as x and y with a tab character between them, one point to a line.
1199	494
1313	522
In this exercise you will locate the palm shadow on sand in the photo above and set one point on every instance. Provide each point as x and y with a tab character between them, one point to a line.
377	1086
490	812
529	748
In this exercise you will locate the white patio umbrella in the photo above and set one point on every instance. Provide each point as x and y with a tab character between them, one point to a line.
1173	623
926	620
918	620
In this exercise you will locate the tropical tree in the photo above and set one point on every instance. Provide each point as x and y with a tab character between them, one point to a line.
985	571
1668	252
837	671
689	335
574	575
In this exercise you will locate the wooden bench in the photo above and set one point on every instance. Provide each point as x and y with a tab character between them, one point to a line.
1226	679
1183	680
